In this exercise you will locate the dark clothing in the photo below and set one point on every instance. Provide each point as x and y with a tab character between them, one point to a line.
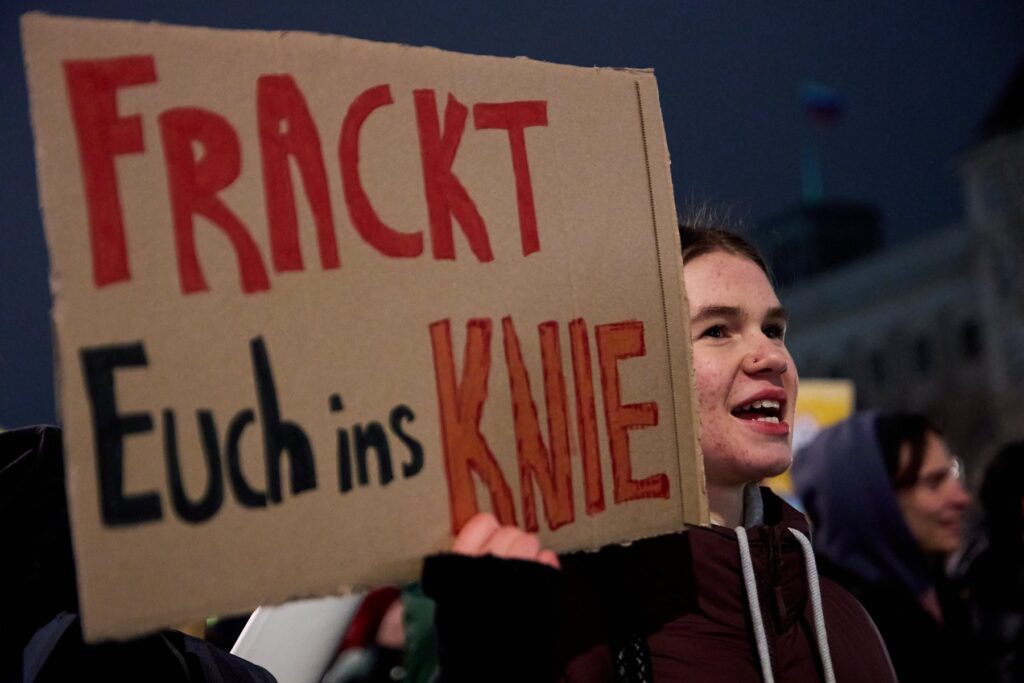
862	542
38	568
989	579
989	572
165	657
681	596
495	618
42	637
922	649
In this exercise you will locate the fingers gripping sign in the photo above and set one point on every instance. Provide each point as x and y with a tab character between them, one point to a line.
483	535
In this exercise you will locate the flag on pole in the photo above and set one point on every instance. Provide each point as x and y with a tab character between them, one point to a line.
824	105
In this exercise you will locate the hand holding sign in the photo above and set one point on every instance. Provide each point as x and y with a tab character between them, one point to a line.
483	535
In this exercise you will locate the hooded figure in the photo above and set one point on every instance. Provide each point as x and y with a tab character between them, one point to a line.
860	482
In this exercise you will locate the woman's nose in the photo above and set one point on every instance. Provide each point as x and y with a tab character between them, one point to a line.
959	495
765	356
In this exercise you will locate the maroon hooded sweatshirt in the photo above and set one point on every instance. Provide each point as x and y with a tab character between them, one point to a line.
670	608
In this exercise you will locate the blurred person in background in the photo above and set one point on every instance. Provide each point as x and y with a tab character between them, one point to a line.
989	571
886	504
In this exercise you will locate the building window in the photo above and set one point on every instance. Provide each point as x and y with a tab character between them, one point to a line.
923	355
970	339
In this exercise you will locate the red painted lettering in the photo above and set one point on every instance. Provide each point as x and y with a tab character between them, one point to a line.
461	406
446	196
102	135
514	117
614	342
553	473
368	224
287	131
194	184
586	416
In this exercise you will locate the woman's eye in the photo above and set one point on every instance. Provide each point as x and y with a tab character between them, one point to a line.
935	480
774	331
715	332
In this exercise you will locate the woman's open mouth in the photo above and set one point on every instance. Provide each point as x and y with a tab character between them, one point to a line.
764	415
766	410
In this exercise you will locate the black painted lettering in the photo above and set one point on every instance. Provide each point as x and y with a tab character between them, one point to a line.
244	494
372	435
109	431
280	436
400	414
213	496
344	462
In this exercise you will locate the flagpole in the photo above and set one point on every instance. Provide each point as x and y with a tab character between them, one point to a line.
811	184
823	106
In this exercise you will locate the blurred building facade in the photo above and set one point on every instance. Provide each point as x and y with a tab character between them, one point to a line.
992	176
935	324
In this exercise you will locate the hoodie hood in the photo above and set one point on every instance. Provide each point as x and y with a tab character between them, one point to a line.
857	523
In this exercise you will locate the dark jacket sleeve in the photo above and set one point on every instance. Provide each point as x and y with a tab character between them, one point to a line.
497	619
42	636
858	651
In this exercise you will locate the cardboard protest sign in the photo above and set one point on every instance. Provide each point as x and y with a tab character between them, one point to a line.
317	300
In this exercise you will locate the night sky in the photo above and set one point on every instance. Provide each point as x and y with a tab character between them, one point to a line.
916	77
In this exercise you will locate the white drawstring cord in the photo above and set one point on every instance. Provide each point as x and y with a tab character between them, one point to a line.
755	605
819	615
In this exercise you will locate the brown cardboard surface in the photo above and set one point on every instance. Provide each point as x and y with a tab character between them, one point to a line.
188	386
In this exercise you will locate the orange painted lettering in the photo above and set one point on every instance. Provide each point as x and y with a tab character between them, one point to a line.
461	406
615	342
552	472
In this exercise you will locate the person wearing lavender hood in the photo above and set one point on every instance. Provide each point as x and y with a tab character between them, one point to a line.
886	504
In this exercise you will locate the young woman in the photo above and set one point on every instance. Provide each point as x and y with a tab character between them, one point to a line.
739	601
886	539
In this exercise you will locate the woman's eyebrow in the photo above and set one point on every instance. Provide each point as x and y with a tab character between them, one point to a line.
720	311
778	313
716	311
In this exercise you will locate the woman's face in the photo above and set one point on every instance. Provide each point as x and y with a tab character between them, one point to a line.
746	380
934	506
